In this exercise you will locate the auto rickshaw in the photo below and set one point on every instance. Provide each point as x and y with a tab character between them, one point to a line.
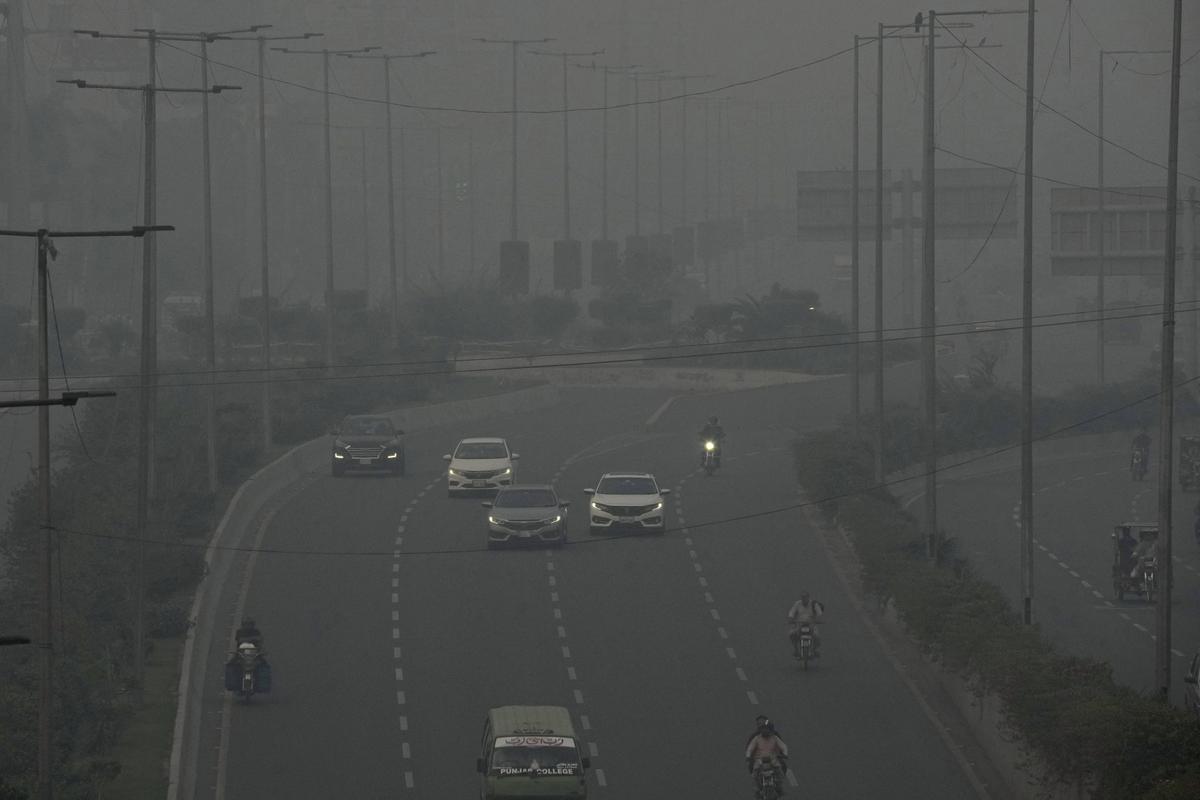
1135	560
1189	463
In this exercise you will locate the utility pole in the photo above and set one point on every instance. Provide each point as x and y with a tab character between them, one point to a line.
1166	412
928	300
264	238
1101	269
18	118
513	229
441	239
637	75
658	109
566	115
855	300
148	372
394	296
210	328
330	300
1027	333
46	250
878	334
605	71
683	177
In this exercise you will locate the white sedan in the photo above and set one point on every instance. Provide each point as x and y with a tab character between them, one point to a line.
627	501
480	464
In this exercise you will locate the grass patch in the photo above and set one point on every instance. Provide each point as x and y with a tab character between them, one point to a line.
144	749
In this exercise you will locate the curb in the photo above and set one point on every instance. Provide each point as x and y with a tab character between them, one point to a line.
272	478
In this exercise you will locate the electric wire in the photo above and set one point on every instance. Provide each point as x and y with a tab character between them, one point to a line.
690	527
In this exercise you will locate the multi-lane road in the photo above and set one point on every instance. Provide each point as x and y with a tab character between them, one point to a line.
1081	492
396	630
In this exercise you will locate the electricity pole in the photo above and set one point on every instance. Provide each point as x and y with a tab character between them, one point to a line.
605	71
658	112
514	44
1166	412
566	116
683	177
46	250
1100	202
393	291
148	373
210	328
637	146
264	239
330	301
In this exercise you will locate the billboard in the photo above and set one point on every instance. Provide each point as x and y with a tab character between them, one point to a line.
1135	223
605	261
514	267
975	203
823	205
568	264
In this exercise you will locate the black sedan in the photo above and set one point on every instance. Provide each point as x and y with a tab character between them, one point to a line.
527	515
367	443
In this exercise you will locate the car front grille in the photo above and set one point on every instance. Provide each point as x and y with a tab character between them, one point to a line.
525	525
479	475
364	452
628	511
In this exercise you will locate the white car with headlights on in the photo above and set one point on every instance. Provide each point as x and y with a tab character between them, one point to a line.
480	464
627	501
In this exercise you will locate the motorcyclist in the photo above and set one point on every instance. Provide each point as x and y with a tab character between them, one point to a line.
1146	550
759	721
805	610
248	632
713	432
1141	443
1125	546
766	744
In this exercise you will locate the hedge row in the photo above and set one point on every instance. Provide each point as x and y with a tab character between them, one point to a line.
1069	714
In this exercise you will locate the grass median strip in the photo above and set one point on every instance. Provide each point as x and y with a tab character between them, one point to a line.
145	743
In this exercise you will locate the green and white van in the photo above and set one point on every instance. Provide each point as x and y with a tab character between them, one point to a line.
531	751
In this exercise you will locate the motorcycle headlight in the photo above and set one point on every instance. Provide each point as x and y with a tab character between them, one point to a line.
710	446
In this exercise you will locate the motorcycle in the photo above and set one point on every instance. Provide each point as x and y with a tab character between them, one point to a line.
767	780
1137	465
1150	578
802	635
711	457
247	672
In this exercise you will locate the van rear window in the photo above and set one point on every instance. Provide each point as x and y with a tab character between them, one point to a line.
535	755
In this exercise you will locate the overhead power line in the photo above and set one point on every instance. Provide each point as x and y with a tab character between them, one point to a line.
712	523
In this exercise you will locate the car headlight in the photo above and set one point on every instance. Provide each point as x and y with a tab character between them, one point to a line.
597	506
336	454
710	446
495	521
455	473
507	471
393	455
556	520
659	506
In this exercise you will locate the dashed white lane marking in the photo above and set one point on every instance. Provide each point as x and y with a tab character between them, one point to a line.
600	779
653	418
593	749
578	693
405	750
1176	653
571	675
1140	627
562	632
401	698
703	581
741	673
403	722
395	616
1097	594
395	597
729	651
396	653
395	633
752	697
566	651
558	613
585	722
715	614
708	598
722	633
408	780
399	673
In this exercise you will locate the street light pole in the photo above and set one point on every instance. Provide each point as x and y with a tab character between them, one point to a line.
330	314
855	300
566	116
264	233
605	71
393	290
928	345
513	230
46	250
1166	412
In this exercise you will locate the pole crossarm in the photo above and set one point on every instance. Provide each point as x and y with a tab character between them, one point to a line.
214	89
388	56
66	399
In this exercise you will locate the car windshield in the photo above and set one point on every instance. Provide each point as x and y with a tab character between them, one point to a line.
526	498
481	450
518	755
627	485
367	426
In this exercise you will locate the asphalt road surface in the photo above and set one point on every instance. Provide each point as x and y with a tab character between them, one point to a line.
664	648
1078	499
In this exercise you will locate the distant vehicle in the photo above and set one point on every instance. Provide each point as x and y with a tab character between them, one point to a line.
531	751
480	464
627	501
368	443
527	515
1135	560
1189	462
1191	687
